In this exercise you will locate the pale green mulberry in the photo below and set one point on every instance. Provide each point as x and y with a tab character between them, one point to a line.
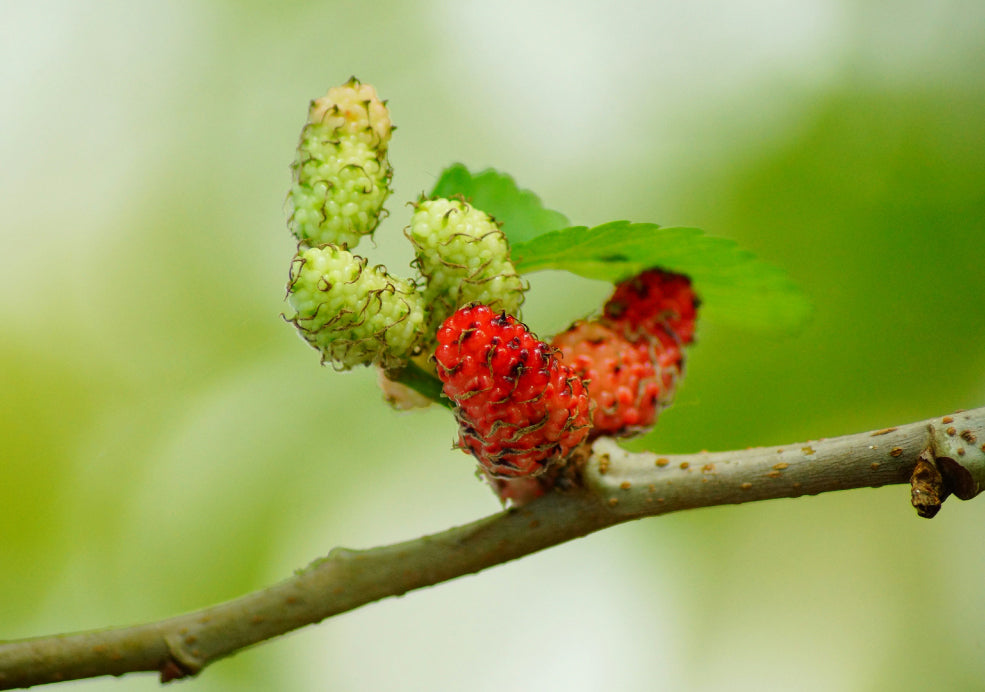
352	313
341	172
464	258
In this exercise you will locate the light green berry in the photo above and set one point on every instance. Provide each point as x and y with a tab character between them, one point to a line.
464	258
352	313
341	172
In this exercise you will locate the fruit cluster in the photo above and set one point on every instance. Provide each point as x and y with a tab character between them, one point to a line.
354	314
523	406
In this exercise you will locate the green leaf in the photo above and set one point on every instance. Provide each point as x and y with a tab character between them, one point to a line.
520	211
733	284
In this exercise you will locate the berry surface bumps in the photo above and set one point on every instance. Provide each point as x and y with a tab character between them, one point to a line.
656	303
341	172
352	313
626	379
463	257
633	356
520	410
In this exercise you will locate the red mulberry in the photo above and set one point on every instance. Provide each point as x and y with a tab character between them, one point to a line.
520	410
628	381
655	303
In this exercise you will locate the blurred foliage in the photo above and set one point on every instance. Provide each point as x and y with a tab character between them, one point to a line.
877	207
166	441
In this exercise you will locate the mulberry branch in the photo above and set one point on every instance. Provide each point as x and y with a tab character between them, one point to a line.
613	486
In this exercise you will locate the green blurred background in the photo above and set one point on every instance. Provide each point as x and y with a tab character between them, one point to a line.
166	441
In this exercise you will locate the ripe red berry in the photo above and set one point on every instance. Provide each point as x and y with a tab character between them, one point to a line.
628	381
655	303
519	409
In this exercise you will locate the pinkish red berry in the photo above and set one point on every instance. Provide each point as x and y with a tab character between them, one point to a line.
519	409
628	381
655	303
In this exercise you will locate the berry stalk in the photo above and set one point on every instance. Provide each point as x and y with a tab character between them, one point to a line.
421	381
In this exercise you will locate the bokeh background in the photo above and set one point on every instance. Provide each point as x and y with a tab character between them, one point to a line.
166	440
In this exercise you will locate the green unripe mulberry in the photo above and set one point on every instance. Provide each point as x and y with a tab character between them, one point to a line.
464	258
352	313
341	172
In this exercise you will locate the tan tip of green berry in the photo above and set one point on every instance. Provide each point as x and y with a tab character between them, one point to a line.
355	110
354	314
